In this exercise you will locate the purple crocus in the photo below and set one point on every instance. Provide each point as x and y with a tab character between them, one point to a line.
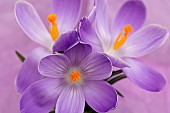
125	41
70	79
63	19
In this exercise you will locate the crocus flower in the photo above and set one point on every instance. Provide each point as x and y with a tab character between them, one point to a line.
125	41
69	80
64	18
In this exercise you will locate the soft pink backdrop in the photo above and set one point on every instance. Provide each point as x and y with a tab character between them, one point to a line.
136	100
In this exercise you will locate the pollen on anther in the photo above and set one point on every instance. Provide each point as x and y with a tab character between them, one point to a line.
53	29
122	37
75	76
52	18
128	28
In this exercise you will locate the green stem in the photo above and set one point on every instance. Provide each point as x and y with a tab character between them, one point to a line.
52	112
120	94
116	79
88	109
20	56
116	72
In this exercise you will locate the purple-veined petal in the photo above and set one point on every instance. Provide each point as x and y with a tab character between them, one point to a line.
100	96
102	22
144	76
71	100
31	24
88	35
55	66
65	41
78	53
68	12
96	66
145	41
92	15
41	97
132	12
118	62
28	73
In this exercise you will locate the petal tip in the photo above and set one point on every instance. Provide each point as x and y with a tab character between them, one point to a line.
164	30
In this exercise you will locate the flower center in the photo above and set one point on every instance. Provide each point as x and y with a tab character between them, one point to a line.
122	37
75	76
54	28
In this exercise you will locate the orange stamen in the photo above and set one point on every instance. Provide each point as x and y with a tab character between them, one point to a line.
54	28
120	40
75	76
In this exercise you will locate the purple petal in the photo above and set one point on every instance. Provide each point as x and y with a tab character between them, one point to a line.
71	100
100	96
118	62
65	41
68	12
102	22
132	12
55	66
28	73
31	24
41	96
144	76
92	15
88	35
145	41
78	53
96	67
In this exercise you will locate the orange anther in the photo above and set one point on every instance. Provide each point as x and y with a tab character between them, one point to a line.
54	28
75	76
120	40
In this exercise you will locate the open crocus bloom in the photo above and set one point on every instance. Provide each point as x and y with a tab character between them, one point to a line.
70	79
64	18
125	41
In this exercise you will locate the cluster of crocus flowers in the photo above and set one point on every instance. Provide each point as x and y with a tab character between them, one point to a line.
72	66
29	20
70	79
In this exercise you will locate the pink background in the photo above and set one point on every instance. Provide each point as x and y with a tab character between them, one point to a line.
136	100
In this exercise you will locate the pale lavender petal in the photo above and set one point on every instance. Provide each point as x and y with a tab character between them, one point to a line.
92	15
78	53
65	41
41	96
96	66
68	12
118	62
102	22
55	66
28	73
31	24
100	96
132	12
145	41
144	76
88	35
71	100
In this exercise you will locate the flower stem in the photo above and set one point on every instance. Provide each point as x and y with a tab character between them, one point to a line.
116	72
120	94
116	79
88	109
20	56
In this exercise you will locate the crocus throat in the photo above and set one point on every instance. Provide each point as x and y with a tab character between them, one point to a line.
53	28
122	37
75	76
